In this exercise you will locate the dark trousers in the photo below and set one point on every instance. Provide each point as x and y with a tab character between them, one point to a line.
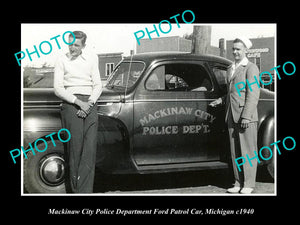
242	142
80	151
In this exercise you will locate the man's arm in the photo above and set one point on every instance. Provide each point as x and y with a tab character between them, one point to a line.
251	96
59	88
97	84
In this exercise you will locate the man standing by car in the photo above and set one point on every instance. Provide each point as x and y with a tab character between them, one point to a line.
241	115
77	82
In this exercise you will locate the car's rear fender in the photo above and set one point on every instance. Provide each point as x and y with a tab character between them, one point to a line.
266	138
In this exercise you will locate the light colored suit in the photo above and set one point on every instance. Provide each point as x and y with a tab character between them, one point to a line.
243	141
244	106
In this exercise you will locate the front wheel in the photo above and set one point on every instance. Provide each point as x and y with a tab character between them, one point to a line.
44	172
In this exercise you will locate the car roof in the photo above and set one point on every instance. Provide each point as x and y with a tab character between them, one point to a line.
160	56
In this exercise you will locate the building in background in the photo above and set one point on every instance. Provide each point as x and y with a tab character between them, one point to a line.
173	43
262	53
107	62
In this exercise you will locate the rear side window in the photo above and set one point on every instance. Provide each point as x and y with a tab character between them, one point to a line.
179	77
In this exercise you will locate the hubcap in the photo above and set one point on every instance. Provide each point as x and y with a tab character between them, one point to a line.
52	170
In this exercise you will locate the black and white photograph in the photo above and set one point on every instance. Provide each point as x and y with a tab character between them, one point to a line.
133	113
154	114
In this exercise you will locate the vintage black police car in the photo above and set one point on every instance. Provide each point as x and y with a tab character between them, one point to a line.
154	116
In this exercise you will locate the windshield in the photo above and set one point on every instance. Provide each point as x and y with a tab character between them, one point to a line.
119	77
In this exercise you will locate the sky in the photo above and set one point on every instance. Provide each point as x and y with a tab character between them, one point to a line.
109	38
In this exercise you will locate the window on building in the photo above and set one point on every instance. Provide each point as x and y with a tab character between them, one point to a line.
265	78
179	77
256	61
109	67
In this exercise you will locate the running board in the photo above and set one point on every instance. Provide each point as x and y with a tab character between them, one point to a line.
162	168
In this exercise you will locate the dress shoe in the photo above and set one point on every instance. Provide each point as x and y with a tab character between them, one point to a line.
246	190
234	190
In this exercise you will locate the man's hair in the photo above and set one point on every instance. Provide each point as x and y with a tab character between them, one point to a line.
79	35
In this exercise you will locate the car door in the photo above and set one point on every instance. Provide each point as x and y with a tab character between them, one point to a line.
172	120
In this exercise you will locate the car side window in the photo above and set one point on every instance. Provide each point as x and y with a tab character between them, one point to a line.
179	77
156	81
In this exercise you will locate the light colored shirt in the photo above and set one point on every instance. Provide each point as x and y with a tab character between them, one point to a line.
77	76
243	62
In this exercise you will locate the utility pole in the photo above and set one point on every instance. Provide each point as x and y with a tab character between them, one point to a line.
201	39
222	47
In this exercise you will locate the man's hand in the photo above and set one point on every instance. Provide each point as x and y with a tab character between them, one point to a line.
216	102
85	108
91	103
245	123
80	113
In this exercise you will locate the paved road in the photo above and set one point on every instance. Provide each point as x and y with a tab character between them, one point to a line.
261	188
200	182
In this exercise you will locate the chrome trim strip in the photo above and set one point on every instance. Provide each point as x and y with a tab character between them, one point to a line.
172	100
40	129
39	102
105	104
185	100
41	106
59	102
266	100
